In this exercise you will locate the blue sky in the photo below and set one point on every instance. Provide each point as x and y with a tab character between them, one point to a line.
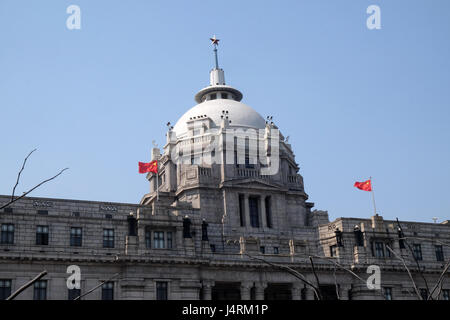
355	102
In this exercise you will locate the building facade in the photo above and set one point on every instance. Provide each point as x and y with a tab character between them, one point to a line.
227	217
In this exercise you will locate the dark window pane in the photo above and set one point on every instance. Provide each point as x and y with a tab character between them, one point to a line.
42	235
388	293
446	294
148	238
74	293
5	288
268	205
242	210
254	211
108	238
161	290
424	294
158	239
7	234
379	249
169	240
75	237
40	290
417	250
439	253
108	291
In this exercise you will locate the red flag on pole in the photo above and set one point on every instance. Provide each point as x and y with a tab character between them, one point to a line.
365	186
148	167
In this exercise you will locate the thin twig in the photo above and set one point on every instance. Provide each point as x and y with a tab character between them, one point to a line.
415	259
346	269
295	273
447	265
26	285
20	172
35	187
101	283
319	294
336	284
407	269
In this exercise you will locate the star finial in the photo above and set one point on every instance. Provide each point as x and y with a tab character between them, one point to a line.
214	40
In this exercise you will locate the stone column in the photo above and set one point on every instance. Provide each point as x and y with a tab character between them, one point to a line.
296	291
259	290
245	290
262	211
343	292
207	289
310	295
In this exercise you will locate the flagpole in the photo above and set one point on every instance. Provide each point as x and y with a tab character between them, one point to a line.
373	196
157	180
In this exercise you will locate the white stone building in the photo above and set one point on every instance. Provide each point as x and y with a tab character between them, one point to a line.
228	222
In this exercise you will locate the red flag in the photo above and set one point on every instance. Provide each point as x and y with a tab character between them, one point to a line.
366	185
148	167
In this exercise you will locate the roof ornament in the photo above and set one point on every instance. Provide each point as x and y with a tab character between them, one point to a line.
215	43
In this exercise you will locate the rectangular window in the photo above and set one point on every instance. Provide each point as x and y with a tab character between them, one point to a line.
213	247
5	288
262	249
268	204
161	290
76	237
446	294
275	250
224	95
73	293
439	253
379	249
42	235
213	96
43	212
254	211
169	240
7	233
417	250
424	294
387	293
242	210
8	210
108	291
40	290
333	251
158	239
108	238
148	238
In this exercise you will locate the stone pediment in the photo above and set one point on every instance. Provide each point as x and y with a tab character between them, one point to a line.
253	183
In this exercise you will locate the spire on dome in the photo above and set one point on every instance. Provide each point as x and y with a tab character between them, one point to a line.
215	43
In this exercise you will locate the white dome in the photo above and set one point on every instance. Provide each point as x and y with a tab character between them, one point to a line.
240	115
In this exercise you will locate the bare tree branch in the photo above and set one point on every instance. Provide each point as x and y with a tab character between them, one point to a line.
336	264
295	273
101	283
35	187
447	265
336	284
407	269
26	285
317	278
415	259
20	172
